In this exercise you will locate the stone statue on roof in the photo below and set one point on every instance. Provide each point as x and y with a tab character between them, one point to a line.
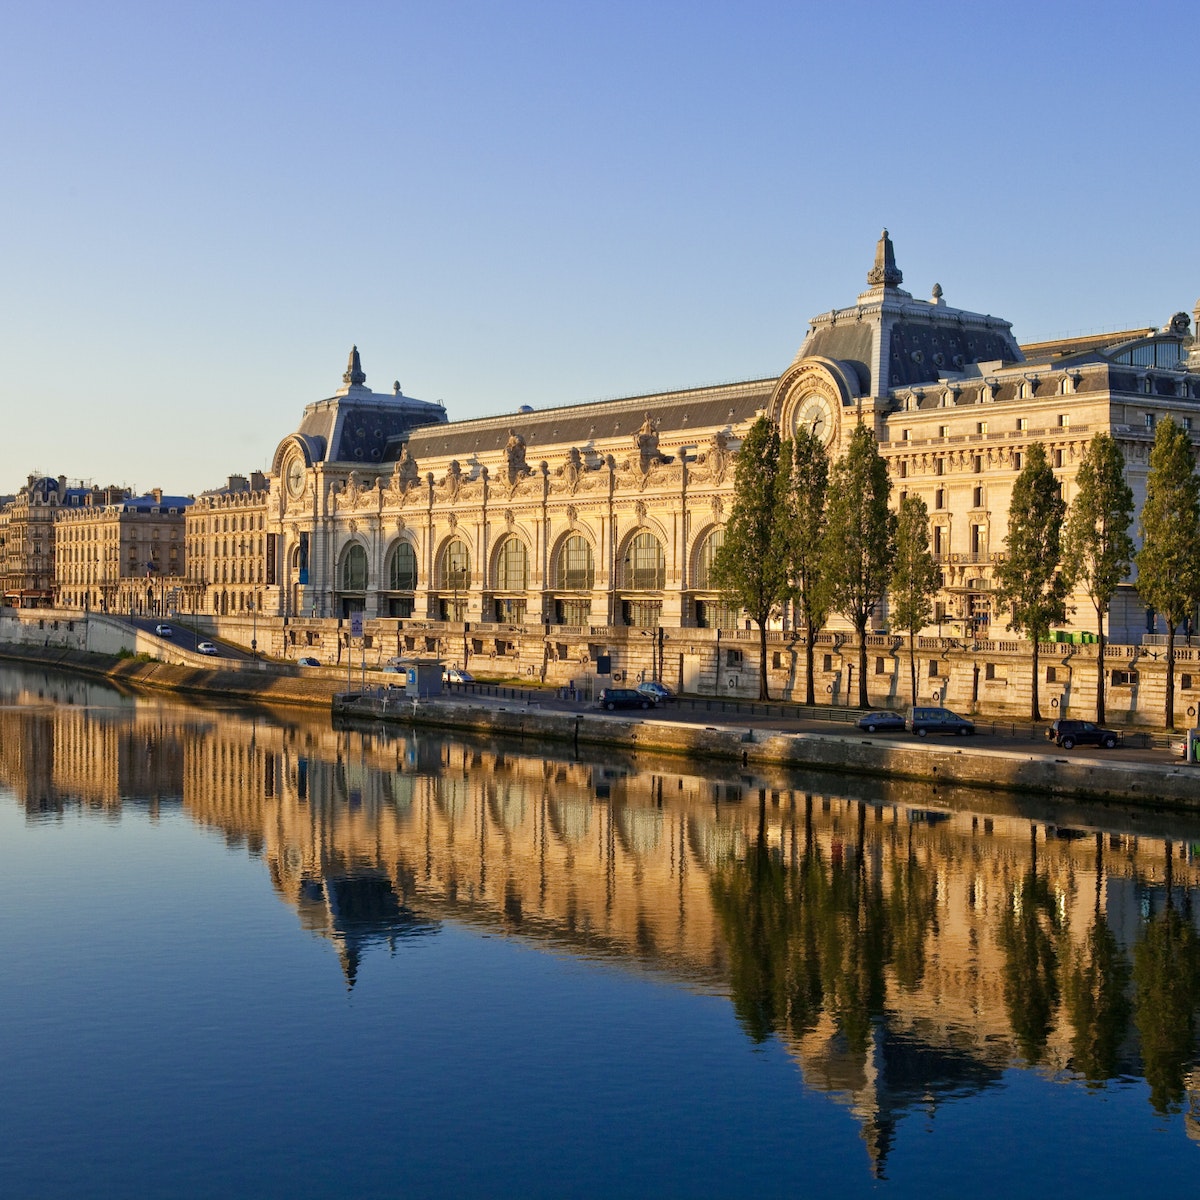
514	454
646	441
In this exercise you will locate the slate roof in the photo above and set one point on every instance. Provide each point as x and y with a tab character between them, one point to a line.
675	414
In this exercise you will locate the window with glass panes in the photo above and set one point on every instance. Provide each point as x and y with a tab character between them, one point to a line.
576	567
645	563
511	566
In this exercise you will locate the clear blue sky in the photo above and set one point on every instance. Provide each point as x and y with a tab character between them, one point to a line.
204	204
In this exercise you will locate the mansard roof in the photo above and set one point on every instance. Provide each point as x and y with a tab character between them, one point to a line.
357	425
890	340
675	414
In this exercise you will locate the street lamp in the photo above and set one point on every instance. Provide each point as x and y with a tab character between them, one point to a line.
254	628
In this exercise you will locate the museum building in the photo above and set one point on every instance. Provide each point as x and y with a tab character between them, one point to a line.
574	528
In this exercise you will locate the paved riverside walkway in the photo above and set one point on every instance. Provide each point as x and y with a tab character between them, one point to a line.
1009	733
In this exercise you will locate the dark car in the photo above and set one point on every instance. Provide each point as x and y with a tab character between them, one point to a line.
307	662
1066	734
611	698
923	721
875	721
657	692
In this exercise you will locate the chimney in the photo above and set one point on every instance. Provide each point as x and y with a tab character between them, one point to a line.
157	494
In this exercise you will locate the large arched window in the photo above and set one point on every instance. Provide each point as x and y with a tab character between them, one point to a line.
704	558
402	569
512	566
454	569
576	567
645	563
354	570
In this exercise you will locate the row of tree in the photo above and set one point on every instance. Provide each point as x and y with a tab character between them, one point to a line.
823	536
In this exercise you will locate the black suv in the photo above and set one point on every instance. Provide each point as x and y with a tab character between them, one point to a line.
1066	734
611	698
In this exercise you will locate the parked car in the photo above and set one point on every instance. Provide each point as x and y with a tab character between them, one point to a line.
873	722
922	721
456	675
307	661
392	669
164	631
1066	734
611	698
205	648
658	692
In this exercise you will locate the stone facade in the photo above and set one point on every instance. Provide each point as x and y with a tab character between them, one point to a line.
227	548
27	537
540	539
126	556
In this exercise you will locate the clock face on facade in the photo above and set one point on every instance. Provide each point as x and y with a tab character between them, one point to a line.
295	477
815	414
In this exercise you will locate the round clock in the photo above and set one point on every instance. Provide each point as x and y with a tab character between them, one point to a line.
295	477
815	414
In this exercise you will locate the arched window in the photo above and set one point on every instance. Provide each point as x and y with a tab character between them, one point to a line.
354	570
512	566
402	570
645	563
576	567
455	568
705	555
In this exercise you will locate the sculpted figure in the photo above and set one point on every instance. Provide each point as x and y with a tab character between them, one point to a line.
514	452
453	479
405	476
646	441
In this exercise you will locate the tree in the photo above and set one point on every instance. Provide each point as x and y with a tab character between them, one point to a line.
915	578
750	567
1169	561
1098	548
805	470
859	538
1032	587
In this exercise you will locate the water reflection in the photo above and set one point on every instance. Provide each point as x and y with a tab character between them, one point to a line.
904	951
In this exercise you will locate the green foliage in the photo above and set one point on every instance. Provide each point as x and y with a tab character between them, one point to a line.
915	577
750	568
1031	586
859	537
1097	548
804	478
1169	560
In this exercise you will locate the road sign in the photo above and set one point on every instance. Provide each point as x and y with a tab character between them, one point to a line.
356	624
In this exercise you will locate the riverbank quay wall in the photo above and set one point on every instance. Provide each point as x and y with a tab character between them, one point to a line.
1175	785
984	678
1032	771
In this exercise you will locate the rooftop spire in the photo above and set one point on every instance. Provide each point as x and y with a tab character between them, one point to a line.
354	372
885	271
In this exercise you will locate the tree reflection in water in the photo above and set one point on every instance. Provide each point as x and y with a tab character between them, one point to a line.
823	933
1166	972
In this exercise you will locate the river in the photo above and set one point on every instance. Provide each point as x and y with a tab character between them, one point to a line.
246	952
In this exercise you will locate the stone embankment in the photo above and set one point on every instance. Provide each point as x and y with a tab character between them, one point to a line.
1021	767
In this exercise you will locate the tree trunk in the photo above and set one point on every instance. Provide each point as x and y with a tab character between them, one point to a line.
1100	671
1170	673
1035	713
763	694
862	666
810	643
912	663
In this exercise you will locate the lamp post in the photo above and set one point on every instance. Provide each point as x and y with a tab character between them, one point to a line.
254	628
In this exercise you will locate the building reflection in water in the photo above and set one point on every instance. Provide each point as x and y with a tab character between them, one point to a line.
903	949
